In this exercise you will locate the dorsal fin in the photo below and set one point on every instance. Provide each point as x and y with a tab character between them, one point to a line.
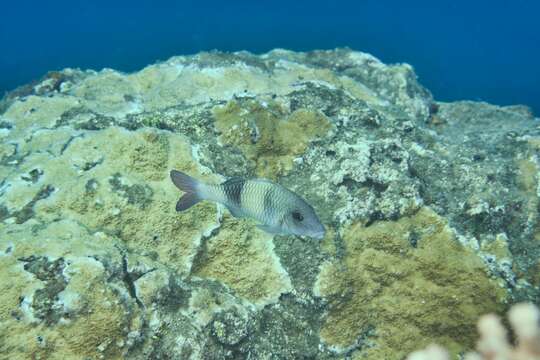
240	179
234	180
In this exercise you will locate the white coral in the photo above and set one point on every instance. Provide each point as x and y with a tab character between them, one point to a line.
493	344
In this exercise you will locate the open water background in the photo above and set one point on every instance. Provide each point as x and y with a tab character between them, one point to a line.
477	50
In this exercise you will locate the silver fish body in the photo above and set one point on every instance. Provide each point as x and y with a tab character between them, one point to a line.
277	209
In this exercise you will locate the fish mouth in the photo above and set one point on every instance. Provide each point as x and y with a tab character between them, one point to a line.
318	235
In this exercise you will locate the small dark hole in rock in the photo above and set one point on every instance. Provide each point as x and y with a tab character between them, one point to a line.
330	153
15	314
413	239
479	157
375	216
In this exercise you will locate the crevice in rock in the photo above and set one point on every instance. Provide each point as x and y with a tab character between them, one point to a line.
92	164
128	281
33	175
27	212
4	212
66	145
129	278
15	158
202	251
6	125
362	341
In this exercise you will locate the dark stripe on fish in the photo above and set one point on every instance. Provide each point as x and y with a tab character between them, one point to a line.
268	202
233	189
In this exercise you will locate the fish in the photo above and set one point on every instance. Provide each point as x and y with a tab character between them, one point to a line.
278	210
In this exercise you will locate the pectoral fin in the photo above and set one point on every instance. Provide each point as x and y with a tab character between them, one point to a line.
235	211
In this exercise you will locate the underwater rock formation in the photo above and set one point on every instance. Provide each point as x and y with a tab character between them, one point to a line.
431	211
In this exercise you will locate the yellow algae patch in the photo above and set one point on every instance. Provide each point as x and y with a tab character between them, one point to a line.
527	180
267	136
528	174
56	301
242	257
37	112
161	85
131	195
117	181
107	92
404	284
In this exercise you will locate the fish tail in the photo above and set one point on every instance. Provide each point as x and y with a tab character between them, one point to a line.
188	185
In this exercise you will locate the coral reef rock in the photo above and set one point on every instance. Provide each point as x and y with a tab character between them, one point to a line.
431	211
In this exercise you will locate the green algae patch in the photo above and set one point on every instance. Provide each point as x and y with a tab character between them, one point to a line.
242	257
402	285
268	136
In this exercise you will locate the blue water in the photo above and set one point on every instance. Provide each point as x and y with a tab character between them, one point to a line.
485	51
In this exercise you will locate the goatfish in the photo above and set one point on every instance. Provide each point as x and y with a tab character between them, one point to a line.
277	209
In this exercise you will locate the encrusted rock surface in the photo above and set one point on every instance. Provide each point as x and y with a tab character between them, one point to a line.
431	210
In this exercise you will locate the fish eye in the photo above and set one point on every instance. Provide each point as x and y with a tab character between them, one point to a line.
297	216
